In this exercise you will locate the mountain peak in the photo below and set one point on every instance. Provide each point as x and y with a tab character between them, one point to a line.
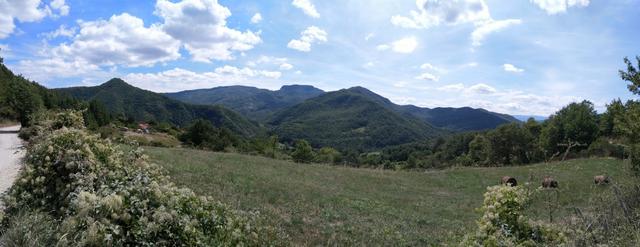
295	88
115	82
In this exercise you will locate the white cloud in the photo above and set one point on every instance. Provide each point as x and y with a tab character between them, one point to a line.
427	77
553	7
482	30
44	70
62	31
431	67
309	36
404	45
435	12
256	18
481	88
61	6
512	68
286	66
306	6
368	65
432	13
121	40
202	28
178	79
369	36
27	11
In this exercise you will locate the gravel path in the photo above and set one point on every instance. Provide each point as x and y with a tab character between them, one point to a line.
11	154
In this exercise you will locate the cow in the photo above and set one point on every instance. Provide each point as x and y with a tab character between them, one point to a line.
601	180
549	182
510	181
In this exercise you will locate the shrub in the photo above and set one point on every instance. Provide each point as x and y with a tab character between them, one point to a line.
504	224
303	152
30	229
102	194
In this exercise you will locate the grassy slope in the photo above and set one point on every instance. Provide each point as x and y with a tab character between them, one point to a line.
320	204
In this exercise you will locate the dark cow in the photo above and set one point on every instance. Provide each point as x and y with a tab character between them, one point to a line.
510	181
549	182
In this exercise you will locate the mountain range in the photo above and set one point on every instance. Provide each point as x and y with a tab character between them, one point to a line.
353	118
122	99
262	104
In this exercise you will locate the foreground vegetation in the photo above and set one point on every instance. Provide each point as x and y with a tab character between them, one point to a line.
77	189
325	205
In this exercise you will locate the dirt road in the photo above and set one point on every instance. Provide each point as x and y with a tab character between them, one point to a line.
11	154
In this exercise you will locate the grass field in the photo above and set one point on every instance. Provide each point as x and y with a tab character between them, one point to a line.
329	205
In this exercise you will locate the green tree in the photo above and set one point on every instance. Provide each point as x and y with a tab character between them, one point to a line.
607	121
328	155
24	100
96	115
303	152
479	149
632	75
203	134
575	124
509	144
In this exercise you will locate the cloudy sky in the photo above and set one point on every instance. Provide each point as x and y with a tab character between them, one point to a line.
517	57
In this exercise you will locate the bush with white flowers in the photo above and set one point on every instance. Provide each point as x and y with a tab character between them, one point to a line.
503	222
104	194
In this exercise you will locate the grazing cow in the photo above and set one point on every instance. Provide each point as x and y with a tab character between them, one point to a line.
549	182
601	180
510	181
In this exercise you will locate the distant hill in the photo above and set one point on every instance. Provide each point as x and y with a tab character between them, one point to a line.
454	119
126	100
254	103
524	118
259	104
350	119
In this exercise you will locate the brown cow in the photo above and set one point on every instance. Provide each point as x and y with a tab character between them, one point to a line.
549	182
510	181
601	179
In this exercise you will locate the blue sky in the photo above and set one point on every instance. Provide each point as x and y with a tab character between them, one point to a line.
517	57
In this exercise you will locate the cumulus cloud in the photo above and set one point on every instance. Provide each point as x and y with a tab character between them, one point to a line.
62	31
309	36
432	13
286	66
45	69
553	7
306	6
481	88
256	18
404	45
512	68
427	76
121	40
483	30
165	81
27	11
202	28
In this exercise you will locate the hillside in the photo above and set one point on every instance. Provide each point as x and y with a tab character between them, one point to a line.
259	104
123	99
253	103
349	119
331	205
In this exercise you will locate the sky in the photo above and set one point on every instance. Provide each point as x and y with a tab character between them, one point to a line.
522	57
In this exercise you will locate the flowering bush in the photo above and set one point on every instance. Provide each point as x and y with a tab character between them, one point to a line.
101	194
503	222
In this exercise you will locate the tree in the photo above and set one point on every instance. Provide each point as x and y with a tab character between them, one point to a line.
632	75
96	115
24	100
303	152
509	144
607	121
574	125
203	134
479	149
328	155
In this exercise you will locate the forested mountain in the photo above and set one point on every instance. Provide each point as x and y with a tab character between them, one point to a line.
260	104
254	103
124	100
350	119
20	97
